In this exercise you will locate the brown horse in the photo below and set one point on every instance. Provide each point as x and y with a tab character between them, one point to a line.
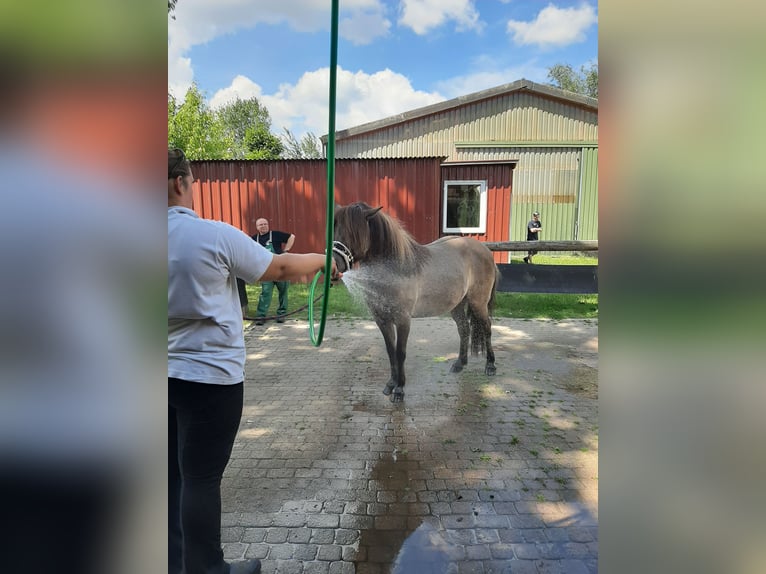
401	279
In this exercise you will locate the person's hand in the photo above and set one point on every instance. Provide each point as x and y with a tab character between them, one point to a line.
335	275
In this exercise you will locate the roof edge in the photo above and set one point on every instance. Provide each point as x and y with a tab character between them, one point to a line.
518	85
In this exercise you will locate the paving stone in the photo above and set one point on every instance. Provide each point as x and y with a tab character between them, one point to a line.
234	551
557	534
358	522
471	567
501	550
341	471
257	551
322	520
277	535
524	567
316	567
232	534
329	552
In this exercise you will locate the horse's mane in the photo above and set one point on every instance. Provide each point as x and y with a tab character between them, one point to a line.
379	236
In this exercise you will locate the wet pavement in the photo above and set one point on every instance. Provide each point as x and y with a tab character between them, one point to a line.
471	474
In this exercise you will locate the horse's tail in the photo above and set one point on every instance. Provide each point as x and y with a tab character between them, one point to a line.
478	335
491	304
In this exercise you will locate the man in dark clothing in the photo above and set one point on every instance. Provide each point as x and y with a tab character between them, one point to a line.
277	242
534	227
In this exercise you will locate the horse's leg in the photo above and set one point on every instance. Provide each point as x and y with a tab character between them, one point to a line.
485	324
387	328
402	334
490	368
463	330
482	328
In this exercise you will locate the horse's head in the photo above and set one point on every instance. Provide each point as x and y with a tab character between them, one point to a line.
352	234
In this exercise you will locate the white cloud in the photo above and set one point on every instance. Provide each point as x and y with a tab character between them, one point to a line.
554	26
423	15
180	76
361	98
363	27
490	76
200	21
241	88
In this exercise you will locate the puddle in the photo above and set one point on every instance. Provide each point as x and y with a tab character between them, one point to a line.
403	539
423	552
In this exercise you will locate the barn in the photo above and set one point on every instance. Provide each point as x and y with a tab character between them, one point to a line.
475	165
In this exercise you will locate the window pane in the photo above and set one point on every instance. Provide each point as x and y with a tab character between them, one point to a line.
463	205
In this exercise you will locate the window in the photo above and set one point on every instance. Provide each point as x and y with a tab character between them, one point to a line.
465	207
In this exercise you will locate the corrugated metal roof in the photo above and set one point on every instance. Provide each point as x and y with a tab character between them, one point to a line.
519	85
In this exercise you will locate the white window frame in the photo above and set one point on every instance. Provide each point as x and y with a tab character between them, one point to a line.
482	228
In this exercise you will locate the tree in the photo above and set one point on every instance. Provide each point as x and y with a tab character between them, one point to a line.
309	147
172	8
584	82
240	130
194	128
240	116
261	143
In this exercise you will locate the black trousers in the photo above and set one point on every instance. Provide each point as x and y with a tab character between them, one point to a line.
242	292
57	518
203	421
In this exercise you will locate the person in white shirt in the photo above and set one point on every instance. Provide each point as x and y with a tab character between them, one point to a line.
206	361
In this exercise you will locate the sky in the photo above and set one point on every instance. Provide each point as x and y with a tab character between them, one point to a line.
393	55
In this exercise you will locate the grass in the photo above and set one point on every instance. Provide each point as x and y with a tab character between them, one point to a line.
516	305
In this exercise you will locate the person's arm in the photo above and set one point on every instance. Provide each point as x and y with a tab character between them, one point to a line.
289	243
296	267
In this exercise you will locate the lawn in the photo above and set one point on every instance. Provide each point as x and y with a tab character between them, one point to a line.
516	305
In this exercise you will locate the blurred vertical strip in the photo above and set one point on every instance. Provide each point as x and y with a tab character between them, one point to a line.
82	289
682	463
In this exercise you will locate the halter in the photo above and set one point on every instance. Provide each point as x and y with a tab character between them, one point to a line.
344	253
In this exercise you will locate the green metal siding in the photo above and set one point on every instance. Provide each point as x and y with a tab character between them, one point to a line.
517	116
545	180
562	184
588	202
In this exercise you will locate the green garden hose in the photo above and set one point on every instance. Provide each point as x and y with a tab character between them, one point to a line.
317	340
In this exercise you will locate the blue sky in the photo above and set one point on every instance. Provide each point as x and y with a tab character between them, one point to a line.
393	56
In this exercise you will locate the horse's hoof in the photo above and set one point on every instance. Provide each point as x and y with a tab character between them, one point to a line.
397	397
490	370
456	367
388	388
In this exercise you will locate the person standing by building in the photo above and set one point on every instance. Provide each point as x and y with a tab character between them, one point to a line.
534	227
277	242
206	364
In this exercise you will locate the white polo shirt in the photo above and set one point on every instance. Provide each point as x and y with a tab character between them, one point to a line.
205	339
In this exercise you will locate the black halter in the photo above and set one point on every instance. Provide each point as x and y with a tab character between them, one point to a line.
344	253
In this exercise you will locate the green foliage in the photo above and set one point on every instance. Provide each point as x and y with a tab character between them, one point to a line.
238	130
194	128
584	82
240	116
309	146
260	143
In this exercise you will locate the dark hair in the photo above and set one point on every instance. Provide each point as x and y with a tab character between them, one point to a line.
178	164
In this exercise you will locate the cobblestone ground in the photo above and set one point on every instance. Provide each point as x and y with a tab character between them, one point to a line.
471	474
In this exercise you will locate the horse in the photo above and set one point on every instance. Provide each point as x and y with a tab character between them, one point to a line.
402	279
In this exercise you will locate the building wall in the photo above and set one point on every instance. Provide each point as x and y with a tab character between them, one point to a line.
518	116
292	195
499	178
553	142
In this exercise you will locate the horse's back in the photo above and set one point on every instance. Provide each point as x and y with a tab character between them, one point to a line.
456	268
458	246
